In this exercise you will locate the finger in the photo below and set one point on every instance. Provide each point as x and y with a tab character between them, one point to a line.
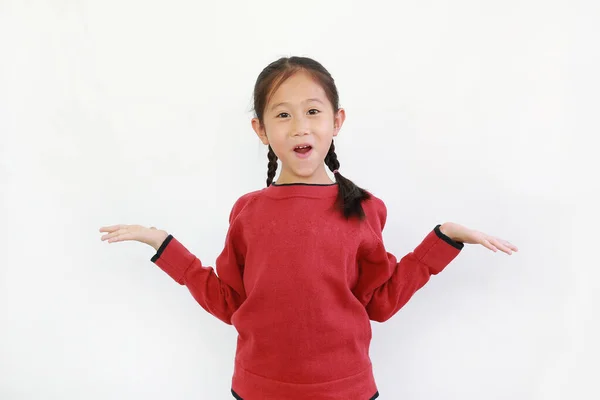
112	228
496	242
487	244
114	239
510	245
121	237
111	236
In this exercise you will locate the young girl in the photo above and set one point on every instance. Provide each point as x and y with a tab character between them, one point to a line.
304	268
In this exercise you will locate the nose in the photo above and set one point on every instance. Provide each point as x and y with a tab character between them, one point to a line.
300	127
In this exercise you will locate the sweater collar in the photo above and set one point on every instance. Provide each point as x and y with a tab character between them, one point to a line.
313	190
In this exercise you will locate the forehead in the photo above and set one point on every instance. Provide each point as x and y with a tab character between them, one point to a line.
298	87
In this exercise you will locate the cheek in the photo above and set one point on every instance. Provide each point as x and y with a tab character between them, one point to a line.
325	130
277	138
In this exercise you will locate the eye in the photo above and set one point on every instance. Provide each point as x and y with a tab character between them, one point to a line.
280	115
314	109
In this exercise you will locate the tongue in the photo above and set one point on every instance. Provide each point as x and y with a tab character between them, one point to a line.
303	151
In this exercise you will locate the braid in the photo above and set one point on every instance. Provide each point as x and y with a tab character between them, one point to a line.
350	196
331	158
272	166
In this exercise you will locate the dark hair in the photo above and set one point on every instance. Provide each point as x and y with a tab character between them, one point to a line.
350	196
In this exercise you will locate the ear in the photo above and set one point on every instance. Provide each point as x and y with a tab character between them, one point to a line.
338	121
260	131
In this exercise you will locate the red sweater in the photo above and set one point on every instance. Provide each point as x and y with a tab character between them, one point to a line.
300	284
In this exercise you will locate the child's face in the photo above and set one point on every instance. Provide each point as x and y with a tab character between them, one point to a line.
300	114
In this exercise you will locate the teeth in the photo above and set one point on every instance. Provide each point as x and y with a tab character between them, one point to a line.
302	147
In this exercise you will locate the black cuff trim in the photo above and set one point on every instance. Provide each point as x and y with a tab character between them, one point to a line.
162	248
237	396
453	243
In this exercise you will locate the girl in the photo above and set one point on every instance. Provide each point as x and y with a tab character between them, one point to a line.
304	268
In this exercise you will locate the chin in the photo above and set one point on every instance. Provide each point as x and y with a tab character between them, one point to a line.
304	173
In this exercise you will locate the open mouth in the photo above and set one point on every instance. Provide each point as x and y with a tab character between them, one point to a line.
303	149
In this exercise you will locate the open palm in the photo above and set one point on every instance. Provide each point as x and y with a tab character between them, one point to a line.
119	233
471	236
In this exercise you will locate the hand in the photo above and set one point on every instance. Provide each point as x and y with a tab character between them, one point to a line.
119	233
462	234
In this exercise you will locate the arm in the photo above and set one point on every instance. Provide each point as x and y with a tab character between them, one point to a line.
219	295
385	284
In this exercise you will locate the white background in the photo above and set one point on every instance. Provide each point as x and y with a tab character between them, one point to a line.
139	112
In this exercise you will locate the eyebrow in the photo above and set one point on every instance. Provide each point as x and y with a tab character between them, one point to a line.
274	106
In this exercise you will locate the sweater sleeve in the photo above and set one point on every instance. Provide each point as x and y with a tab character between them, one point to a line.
222	294
385	284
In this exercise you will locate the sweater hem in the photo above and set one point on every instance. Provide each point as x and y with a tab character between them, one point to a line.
237	396
249	386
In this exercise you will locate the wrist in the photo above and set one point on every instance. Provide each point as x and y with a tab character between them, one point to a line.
160	240
446	229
